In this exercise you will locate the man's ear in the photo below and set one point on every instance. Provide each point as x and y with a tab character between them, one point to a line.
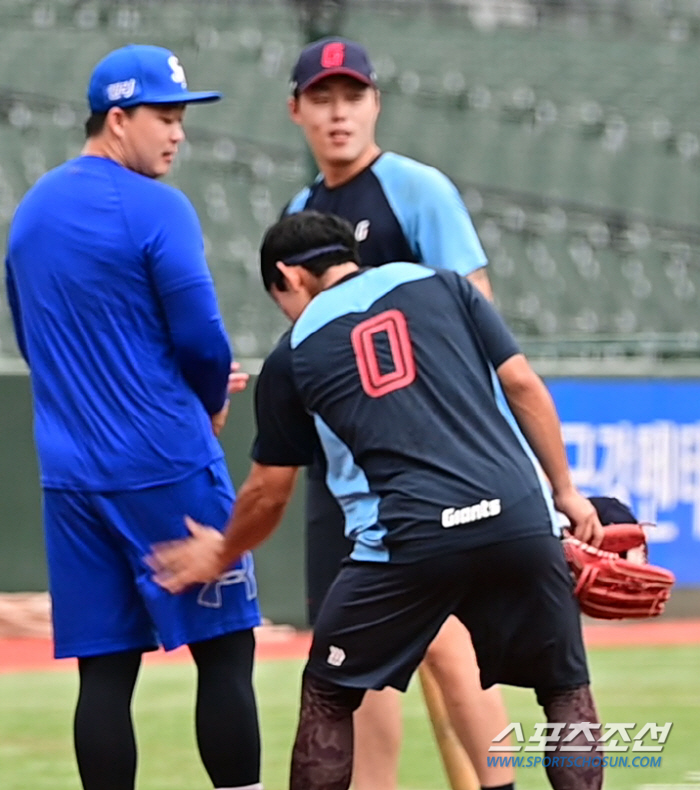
293	109
291	274
115	121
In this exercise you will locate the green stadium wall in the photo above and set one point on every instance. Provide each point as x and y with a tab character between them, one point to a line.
655	405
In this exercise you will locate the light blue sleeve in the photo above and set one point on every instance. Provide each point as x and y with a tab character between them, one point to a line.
431	213
297	203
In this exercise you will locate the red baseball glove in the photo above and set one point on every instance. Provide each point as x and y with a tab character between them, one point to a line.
609	584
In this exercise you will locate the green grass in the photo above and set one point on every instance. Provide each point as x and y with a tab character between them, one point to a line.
631	685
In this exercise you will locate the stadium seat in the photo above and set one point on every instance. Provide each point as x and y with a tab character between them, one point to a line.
573	136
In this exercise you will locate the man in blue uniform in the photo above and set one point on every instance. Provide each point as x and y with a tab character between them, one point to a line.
443	504
402	210
115	312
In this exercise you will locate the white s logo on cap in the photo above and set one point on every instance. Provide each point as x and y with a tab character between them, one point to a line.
178	73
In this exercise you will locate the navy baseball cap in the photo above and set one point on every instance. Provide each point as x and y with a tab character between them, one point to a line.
141	74
611	511
329	56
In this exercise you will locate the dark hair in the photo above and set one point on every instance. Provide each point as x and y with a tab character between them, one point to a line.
310	239
96	122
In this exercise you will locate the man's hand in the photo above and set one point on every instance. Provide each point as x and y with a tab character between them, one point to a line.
585	524
218	420
179	564
480	279
237	381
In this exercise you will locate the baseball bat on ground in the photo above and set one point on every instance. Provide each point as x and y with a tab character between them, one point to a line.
458	767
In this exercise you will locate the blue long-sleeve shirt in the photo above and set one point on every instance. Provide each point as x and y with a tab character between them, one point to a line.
115	312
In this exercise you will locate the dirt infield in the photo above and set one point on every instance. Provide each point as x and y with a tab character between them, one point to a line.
25	636
25	615
28	654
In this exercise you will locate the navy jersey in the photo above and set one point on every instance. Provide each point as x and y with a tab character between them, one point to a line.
115	311
402	210
394	370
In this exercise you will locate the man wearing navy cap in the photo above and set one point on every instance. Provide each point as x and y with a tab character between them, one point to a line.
401	210
115	312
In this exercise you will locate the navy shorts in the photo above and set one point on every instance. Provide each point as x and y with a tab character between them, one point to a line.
515	598
326	544
103	598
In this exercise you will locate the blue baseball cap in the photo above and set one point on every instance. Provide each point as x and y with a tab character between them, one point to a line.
141	74
328	57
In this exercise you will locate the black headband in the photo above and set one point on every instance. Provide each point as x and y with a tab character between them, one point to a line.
303	257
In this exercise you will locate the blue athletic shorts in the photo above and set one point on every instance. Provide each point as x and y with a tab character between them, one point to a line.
103	598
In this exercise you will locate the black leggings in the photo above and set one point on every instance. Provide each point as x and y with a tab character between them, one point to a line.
226	715
323	749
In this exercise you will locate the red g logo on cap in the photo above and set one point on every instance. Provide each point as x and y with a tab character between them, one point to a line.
333	55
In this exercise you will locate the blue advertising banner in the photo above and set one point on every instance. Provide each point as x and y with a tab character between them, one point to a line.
639	440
